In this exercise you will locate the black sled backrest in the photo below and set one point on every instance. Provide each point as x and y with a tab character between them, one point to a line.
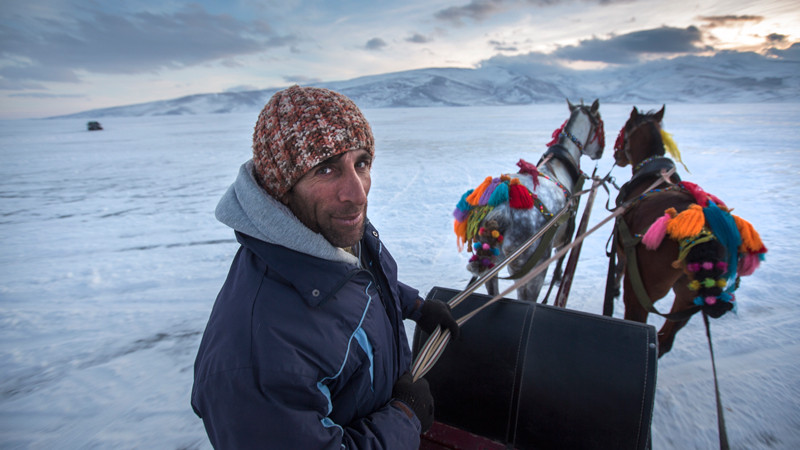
532	376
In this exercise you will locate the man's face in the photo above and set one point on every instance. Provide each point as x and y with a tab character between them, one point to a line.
331	199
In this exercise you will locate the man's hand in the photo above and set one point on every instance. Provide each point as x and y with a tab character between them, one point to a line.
437	313
416	396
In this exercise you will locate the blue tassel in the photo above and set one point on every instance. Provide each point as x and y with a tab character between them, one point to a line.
724	228
463	204
500	195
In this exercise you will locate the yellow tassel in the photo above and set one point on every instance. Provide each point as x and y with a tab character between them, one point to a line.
687	224
751	241
475	197
672	148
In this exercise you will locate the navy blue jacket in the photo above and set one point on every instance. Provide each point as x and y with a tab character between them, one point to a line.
302	352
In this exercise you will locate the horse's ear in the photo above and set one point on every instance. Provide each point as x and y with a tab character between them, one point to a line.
634	113
595	105
660	114
570	105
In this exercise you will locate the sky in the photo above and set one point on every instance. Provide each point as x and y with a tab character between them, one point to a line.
65	56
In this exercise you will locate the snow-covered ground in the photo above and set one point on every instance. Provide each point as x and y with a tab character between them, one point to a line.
111	259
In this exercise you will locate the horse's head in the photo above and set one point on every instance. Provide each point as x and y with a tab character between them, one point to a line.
585	121
640	138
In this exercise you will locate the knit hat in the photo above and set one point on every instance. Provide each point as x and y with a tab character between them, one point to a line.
299	128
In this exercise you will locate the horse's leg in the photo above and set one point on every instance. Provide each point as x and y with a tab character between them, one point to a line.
493	286
619	271
530	290
633	308
683	300
557	273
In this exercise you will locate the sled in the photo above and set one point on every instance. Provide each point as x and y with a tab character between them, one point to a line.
530	376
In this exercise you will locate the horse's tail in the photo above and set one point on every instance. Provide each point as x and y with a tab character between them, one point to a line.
486	247
711	241
706	267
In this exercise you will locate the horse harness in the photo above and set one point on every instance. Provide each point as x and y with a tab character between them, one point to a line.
645	171
559	152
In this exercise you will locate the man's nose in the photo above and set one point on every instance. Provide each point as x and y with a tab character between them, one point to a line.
353	187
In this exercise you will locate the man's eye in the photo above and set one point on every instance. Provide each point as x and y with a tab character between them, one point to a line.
324	170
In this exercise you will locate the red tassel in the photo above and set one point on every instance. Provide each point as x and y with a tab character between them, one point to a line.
620	142
530	169
557	133
519	197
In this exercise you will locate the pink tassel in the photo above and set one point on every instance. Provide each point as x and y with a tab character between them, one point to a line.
655	234
748	264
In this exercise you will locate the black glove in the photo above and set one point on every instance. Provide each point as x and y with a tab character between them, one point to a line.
416	396
436	312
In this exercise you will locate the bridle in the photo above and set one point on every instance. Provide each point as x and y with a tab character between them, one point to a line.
557	150
596	128
623	142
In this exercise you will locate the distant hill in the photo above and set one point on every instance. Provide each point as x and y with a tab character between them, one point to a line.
723	78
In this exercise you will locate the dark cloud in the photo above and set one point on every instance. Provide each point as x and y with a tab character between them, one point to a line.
503	46
375	44
718	21
143	42
775	38
629	48
790	54
478	10
417	38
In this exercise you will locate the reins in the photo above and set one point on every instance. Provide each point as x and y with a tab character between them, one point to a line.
434	347
629	242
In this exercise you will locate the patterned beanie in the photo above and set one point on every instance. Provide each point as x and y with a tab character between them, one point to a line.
299	128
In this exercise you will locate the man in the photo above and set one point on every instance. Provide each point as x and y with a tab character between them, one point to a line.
305	347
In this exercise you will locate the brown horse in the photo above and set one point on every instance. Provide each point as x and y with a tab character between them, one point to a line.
707	249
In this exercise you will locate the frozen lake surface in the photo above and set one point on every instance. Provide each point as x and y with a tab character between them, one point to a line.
111	260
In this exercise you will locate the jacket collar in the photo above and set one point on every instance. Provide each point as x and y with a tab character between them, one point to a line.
316	279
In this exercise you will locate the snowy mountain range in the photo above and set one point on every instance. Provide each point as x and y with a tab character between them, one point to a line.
727	77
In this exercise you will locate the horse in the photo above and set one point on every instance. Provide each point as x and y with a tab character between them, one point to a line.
497	217
707	251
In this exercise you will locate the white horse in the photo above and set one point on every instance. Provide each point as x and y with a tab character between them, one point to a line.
498	216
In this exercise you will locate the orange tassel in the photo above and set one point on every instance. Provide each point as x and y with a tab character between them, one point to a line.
461	233
473	198
751	241
687	224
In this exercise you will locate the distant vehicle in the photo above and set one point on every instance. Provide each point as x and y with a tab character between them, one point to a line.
93	125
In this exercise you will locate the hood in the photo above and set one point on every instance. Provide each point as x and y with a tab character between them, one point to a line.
247	208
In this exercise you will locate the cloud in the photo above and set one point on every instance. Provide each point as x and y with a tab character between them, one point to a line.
629	48
721	21
503	46
775	38
301	79
790	54
105	43
476	10
417	38
375	44
479	10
